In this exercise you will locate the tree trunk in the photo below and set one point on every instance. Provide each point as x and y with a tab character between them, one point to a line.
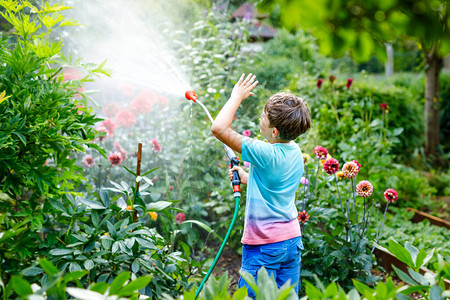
434	64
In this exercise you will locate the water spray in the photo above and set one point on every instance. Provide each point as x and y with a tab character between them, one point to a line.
236	182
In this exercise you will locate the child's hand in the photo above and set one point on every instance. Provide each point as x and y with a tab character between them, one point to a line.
244	87
243	176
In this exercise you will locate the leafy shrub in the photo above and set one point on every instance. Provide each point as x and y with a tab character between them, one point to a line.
44	119
286	56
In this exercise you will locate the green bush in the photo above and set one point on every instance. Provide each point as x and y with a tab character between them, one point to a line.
44	118
286	56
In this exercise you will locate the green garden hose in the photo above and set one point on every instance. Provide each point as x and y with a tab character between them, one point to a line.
236	183
236	210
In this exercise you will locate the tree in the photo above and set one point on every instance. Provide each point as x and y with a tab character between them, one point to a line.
362	27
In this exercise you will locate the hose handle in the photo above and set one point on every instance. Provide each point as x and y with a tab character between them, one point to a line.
236	181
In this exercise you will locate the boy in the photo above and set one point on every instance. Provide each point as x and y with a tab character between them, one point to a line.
272	236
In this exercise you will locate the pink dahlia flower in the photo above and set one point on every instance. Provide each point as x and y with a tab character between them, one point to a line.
364	188
349	83
180	217
304	180
88	161
103	133
246	133
115	159
246	164
358	164
125	119
155	145
391	195
320	152
319	83
119	148
331	166
109	125
143	102
303	216
350	169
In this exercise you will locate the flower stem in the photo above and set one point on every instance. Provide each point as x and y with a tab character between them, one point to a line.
384	218
354	203
305	190
315	180
339	194
349	233
368	219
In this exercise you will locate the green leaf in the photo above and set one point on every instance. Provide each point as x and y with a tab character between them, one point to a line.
157	206
32	271
435	293
92	204
135	285
21	286
135	266
204	226
61	251
100	287
353	295
397	131
413	251
105	197
129	171
362	288
88	264
401	253
21	137
311	291
118	282
403	276
148	172
48	267
75	275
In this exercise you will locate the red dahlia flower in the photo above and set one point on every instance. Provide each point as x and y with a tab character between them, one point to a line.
319	83
303	216
391	195
349	83
180	217
331	166
320	152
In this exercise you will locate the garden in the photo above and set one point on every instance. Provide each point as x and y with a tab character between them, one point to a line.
113	187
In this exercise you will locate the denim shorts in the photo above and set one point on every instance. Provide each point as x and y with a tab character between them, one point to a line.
281	260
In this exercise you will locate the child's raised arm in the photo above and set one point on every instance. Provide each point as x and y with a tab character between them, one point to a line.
221	127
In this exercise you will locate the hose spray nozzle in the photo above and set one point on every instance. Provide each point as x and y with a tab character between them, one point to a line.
191	95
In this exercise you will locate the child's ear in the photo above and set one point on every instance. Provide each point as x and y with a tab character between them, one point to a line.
275	132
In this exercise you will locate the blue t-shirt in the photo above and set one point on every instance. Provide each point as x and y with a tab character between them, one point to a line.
274	176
